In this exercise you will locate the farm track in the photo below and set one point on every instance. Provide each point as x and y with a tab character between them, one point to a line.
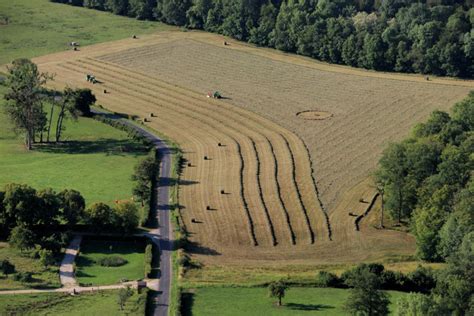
113	79
109	81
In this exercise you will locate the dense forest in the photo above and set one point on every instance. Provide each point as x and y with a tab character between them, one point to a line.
429	37
427	181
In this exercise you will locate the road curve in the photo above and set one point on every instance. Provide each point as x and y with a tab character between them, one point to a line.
163	234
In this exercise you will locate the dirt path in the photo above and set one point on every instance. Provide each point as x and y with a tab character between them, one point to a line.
66	270
76	289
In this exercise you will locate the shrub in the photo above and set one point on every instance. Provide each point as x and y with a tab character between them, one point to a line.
46	257
127	217
422	279
184	260
7	267
112	261
23	277
328	279
391	280
22	238
148	259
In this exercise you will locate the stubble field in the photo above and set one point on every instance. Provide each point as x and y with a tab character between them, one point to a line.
279	188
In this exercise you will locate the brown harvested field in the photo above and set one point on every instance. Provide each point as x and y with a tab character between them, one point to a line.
366	112
268	212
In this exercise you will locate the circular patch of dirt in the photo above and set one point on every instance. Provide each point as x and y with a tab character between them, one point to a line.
314	115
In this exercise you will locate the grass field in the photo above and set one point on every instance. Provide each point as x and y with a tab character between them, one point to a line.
100	303
97	160
42	278
255	301
90	272
40	27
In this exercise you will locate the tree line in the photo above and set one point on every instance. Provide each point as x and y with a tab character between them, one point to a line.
427	180
27	99
424	36
40	219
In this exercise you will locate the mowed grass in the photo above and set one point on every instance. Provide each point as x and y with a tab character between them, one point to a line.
99	303
255	301
38	27
98	160
88	270
42	278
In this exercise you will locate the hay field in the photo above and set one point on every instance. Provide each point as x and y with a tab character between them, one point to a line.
255	199
366	112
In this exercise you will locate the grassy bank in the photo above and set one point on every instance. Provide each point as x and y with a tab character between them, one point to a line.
100	303
255	301
40	27
89	271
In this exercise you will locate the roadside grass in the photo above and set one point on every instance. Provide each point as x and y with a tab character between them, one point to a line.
255	301
89	271
40	27
98	303
96	159
42	278
174	201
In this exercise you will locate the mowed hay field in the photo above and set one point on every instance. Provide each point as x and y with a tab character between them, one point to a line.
367	112
268	192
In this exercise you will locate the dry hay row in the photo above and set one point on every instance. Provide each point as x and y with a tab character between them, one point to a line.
287	216
366	212
242	196
316	192
260	192
115	83
305	212
207	116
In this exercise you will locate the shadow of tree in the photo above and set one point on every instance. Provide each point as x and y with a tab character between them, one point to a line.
196	248
106	145
308	307
164	181
187	301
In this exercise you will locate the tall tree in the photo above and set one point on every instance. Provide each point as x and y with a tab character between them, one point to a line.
24	98
67	109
